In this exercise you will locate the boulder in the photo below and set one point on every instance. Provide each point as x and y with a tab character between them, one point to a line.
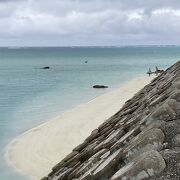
176	96
176	140
144	166
107	165
81	146
172	128
160	124
165	112
174	106
177	85
151	139
171	155
125	138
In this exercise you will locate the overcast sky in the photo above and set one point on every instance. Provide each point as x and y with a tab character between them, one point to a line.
89	22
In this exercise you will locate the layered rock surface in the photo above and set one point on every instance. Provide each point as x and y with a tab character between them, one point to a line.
141	141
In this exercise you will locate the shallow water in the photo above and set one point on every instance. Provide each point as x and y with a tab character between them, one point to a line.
30	95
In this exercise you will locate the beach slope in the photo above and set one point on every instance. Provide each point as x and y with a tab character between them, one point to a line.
36	151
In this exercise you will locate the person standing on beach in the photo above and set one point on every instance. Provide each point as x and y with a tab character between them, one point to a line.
149	72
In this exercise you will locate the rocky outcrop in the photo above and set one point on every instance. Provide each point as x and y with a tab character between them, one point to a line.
141	141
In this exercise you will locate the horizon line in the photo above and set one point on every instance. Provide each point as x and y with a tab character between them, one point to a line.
90	46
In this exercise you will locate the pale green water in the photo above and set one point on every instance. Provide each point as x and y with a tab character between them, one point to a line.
30	95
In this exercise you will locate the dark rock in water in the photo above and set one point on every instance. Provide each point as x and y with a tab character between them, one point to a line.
85	61
100	86
46	67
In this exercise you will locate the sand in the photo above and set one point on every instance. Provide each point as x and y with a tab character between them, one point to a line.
36	151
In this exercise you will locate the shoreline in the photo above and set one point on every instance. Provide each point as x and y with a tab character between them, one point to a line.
34	152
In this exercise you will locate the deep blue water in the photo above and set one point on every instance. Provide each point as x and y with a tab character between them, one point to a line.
30	95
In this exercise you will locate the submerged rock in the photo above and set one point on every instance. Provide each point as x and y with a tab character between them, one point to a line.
100	86
46	67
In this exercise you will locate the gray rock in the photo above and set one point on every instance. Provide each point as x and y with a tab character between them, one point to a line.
44	178
81	146
164	112
146	165
112	138
107	164
172	128
160	124
177	85
171	154
176	95
172	159
174	105
94	134
176	140
125	138
145	141
69	156
88	174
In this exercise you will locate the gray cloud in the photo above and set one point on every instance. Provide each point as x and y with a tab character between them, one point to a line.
95	22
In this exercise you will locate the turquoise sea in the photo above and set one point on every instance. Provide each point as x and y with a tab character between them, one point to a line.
30	95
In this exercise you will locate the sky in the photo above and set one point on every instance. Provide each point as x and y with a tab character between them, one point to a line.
89	22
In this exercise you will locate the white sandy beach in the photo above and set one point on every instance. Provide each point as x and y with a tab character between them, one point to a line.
36	151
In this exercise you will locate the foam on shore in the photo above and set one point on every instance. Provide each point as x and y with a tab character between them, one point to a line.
36	151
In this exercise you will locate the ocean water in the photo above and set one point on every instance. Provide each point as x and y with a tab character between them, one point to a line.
30	95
